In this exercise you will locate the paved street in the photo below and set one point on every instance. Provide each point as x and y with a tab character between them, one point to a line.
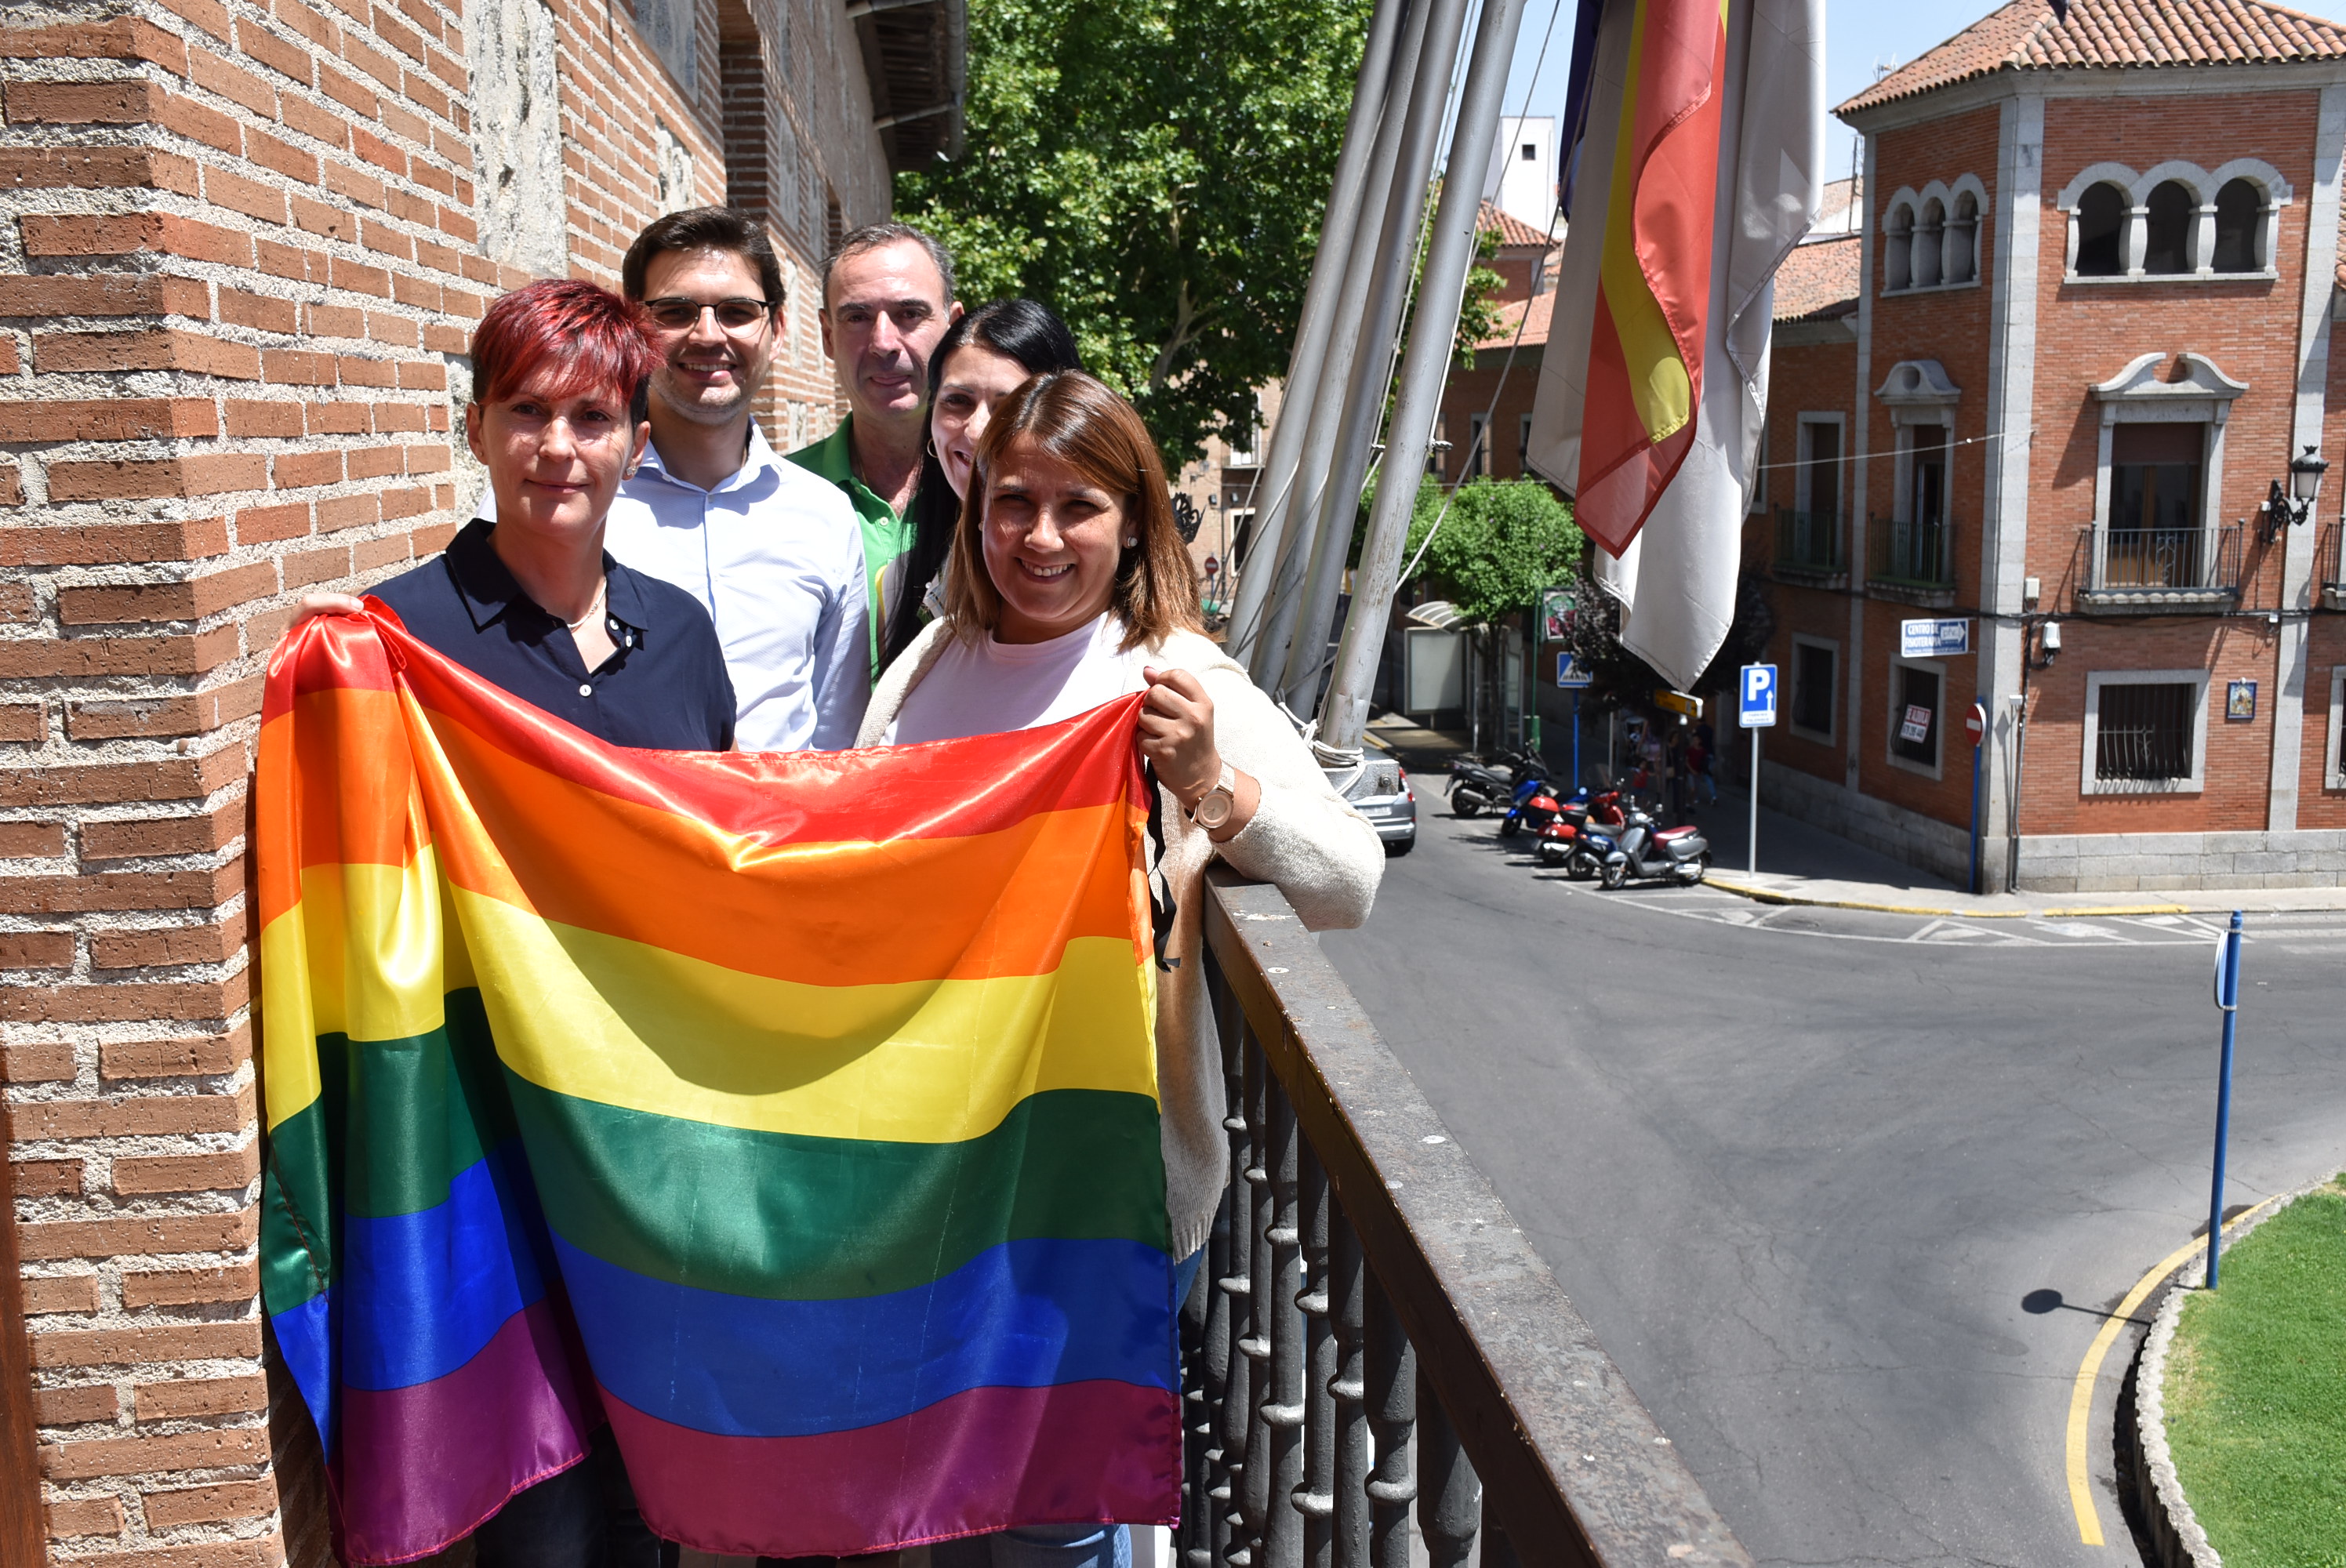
1800	1167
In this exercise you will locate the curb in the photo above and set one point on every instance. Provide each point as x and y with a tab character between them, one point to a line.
2176	1541
1757	894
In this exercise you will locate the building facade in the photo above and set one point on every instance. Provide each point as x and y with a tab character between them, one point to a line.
2082	327
242	243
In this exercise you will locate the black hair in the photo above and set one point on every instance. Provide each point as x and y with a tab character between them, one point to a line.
704	229
1020	329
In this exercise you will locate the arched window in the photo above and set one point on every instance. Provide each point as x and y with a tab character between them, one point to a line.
1895	272
2101	229
2239	225
1960	252
2167	245
1928	231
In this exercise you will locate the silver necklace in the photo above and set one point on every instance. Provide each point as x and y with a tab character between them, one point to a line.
601	590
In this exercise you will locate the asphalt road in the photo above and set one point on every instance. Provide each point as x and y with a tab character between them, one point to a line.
1800	1169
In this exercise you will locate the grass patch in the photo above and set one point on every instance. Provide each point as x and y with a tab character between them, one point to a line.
2256	1393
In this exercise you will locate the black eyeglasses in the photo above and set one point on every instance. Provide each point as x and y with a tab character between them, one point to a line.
680	314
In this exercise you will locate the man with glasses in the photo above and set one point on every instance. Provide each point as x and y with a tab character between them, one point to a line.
774	553
887	297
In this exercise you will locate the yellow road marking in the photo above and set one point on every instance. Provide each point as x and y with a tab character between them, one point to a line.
2081	1397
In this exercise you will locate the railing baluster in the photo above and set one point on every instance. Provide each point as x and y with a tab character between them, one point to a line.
1315	1498
1254	1479
1348	1286
1282	1402
1211	1378
1393	1410
1449	1496
1226	1324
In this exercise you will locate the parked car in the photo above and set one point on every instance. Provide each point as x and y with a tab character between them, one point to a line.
1381	791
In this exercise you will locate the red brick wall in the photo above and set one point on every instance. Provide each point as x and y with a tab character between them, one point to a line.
238	259
2318	806
1467	394
1805	378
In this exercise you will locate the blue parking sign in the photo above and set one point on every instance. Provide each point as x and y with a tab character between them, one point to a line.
1758	709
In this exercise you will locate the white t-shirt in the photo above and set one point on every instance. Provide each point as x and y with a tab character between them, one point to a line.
984	688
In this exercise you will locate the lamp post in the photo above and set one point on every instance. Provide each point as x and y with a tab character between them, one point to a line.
2286	508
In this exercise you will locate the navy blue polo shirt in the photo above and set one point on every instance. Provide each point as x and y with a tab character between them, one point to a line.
664	686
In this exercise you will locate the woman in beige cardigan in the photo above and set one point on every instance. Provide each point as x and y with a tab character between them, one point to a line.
1068	585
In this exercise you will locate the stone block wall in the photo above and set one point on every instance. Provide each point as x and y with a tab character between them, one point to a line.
241	246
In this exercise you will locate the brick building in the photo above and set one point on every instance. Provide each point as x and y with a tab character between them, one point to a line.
241	245
2081	325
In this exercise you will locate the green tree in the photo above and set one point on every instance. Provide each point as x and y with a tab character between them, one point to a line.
1502	541
1155	170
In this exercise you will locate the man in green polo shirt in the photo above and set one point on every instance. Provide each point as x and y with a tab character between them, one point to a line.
887	297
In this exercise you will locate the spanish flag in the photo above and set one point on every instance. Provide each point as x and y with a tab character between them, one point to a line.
1698	168
794	1115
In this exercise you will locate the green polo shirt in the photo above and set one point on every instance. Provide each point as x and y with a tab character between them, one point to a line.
886	536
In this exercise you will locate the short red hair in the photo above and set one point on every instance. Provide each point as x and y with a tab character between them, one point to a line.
588	336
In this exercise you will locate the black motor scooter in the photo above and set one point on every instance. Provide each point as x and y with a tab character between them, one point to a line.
1476	785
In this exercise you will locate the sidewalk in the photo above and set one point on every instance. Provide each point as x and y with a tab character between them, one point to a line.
1801	864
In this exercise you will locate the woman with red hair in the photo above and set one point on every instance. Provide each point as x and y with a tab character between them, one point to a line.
531	601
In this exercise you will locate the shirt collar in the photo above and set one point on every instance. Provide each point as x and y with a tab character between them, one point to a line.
487	587
757	462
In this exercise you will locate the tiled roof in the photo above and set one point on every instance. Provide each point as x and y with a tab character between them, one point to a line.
1540	308
1511	229
1819	282
2112	34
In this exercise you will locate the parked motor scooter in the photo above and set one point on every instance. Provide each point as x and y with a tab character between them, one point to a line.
1476	785
1646	850
1536	807
1584	833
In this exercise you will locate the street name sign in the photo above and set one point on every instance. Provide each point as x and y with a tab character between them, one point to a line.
1757	687
1935	639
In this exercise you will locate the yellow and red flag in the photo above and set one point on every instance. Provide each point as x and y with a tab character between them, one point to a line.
1699	157
1644	348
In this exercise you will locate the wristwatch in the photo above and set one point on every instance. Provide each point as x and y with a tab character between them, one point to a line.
1214	806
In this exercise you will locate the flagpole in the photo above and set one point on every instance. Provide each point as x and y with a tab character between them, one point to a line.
1344	715
1429	65
1371	89
1306	634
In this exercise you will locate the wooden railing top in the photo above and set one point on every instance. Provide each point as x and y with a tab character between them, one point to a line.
1574	1466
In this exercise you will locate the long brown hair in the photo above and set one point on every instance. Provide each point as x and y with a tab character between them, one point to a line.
1072	417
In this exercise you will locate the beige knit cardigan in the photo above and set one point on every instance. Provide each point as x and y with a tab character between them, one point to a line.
1304	837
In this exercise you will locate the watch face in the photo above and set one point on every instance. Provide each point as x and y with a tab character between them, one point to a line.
1214	809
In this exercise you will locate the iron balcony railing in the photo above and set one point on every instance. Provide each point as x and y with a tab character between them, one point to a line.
1366	1295
1808	544
2330	565
1903	553
2146	568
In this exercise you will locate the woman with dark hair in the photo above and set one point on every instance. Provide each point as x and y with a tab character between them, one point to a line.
979	361
1069	587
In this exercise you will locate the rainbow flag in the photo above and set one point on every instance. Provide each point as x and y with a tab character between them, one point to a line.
796	1115
1645	345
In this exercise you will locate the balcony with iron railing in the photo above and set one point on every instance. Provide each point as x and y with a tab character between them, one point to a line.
1911	560
1366	1297
2159	571
2329	565
1808	549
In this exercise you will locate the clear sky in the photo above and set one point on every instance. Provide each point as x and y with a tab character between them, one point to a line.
1863	39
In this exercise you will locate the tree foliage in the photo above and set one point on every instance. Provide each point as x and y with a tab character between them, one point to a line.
1155	170
1503	542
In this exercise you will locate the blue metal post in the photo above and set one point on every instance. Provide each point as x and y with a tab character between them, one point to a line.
2227	998
1979	758
1575	737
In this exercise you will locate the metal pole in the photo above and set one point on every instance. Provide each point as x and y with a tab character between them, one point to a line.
2227	998
1369	89
1305	594
1282	571
1575	740
1979	767
1751	843
1345	713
